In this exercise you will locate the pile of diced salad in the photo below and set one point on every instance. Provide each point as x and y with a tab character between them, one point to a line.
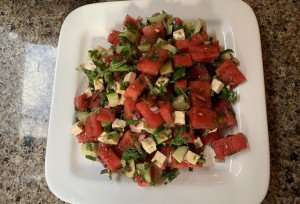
159	100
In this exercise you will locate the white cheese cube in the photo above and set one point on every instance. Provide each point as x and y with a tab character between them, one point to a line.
149	130
161	81
179	34
88	92
179	117
149	145
179	153
217	85
209	156
89	65
105	139
191	157
113	99
99	85
129	77
159	159
76	129
137	128
198	143
119	123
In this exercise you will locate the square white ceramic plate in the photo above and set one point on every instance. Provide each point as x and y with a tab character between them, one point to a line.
243	178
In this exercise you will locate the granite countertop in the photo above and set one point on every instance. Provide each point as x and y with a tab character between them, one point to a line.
28	44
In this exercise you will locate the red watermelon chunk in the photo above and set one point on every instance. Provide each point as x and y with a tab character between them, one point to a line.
153	120
229	73
202	118
135	89
109	158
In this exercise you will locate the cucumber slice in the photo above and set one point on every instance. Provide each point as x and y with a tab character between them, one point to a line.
180	103
167	68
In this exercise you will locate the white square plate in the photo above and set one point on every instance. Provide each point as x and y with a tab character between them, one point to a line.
243	178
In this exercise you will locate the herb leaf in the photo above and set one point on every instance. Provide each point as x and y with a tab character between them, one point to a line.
228	95
178	74
170	175
178	141
132	122
132	154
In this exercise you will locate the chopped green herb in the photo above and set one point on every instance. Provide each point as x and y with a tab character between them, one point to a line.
228	95
124	85
178	74
178	140
114	135
132	154
170	175
90	157
132	122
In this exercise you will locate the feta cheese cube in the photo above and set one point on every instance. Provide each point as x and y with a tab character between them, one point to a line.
161	81
179	34
179	117
129	77
89	65
76	129
113	99
159	159
106	139
191	157
198	143
137	128
149	145
179	153
217	85
99	85
119	123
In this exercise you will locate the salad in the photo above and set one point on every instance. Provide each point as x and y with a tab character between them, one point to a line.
159	100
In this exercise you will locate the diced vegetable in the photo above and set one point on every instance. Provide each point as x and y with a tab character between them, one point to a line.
229	145
166	112
180	103
152	119
181	84
92	129
113	37
113	99
230	74
184	60
167	68
135	89
89	150
76	129
191	157
110	138
109	158
81	102
129	168
149	145
179	153
106	115
126	141
159	159
179	34
148	66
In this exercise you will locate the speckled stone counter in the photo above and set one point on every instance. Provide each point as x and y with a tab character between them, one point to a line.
28	38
